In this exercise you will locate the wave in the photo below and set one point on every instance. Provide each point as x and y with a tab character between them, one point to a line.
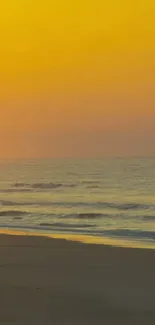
15	190
18	218
92	187
98	205
126	206
90	182
19	214
67	230
123	234
132	206
28	203
95	205
130	233
86	215
12	213
109	216
20	185
61	224
42	186
45	186
109	205
6	203
145	218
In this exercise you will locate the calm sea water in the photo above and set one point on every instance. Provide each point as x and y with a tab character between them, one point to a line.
112	198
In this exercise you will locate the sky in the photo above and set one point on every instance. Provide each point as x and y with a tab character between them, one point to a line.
77	78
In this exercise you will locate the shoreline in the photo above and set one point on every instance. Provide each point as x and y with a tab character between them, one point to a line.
86	239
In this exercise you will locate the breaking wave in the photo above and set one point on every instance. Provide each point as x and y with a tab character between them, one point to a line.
128	234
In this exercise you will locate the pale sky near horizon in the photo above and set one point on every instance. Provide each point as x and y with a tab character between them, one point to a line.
77	78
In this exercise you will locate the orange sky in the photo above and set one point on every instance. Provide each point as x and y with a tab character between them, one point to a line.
77	78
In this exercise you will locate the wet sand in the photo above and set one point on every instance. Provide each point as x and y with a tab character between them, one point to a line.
55	281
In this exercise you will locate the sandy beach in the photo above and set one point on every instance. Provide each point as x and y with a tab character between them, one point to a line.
55	281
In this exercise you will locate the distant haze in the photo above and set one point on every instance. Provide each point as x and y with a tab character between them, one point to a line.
77	78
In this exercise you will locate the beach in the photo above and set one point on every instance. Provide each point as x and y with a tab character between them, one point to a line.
55	281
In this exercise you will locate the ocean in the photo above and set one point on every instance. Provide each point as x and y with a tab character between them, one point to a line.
106	198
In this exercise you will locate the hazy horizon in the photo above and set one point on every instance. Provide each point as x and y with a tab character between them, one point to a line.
97	158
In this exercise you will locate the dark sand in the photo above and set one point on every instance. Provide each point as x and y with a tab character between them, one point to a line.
51	281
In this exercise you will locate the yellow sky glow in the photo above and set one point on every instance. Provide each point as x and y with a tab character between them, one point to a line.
77	78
